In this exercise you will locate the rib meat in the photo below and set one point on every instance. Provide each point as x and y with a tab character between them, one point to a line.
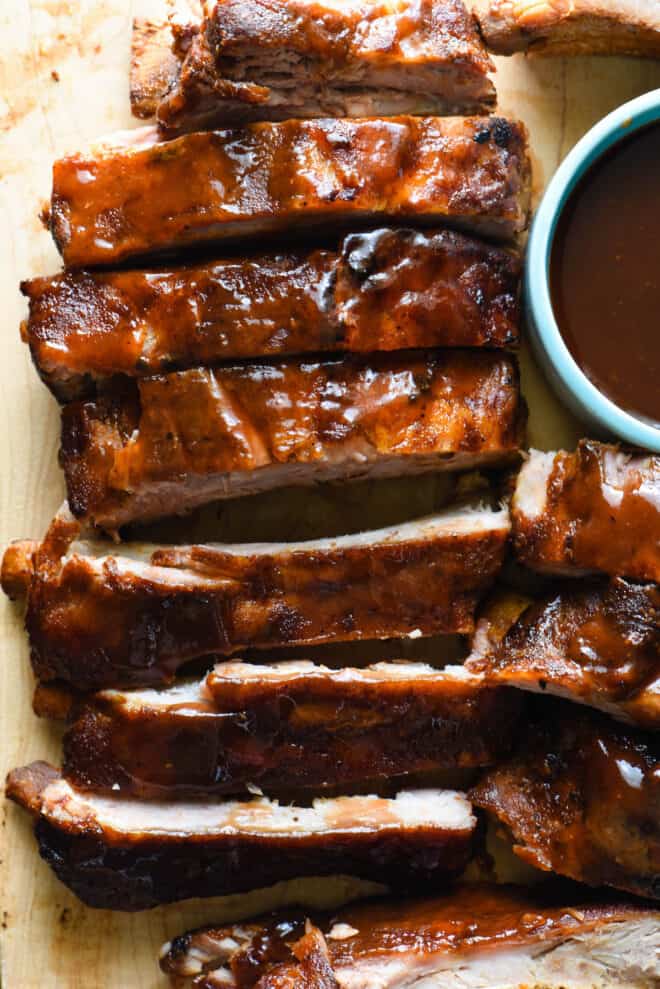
99	615
123	854
287	726
571	27
582	798
598	645
597	509
165	445
390	289
276	59
154	66
474	937
134	195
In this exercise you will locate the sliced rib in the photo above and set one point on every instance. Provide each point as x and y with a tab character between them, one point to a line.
101	615
572	27
124	854
389	289
276	59
582	798
476	936
287	726
597	509
154	66
134	195
166	445
597	645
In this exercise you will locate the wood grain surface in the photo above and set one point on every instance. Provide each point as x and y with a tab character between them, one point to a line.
63	81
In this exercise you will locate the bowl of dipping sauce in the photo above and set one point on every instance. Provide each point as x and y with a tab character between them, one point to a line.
592	277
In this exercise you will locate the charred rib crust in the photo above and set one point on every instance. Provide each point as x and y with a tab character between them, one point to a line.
601	512
182	440
306	731
273	61
582	798
389	289
471	919
108	866
148	196
574	27
598	644
112	625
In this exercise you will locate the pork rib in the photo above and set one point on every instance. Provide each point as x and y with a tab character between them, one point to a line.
390	289
475	936
133	195
273	60
168	444
123	854
154	66
287	726
582	798
597	645
572	27
99	615
597	509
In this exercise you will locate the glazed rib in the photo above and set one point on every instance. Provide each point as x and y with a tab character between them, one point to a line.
574	27
597	645
474	937
165	445
597	509
123	854
390	289
277	59
287	726
134	195
582	798
99	615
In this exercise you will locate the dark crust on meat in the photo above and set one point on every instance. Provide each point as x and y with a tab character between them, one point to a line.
306	731
599	644
389	289
136	871
154	66
471	918
576	27
273	61
150	197
26	785
584	528
121	629
182	440
582	797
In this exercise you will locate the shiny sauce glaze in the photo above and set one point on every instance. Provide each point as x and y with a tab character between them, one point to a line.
605	274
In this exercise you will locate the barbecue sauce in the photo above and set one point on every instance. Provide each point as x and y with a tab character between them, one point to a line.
605	274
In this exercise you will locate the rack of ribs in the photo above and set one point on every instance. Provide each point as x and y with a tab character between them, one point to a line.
571	27
168	444
131	855
474	936
287	726
133	195
388	289
597	645
101	615
582	798
597	509
256	60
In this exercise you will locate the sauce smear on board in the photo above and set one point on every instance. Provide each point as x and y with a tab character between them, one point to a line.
605	274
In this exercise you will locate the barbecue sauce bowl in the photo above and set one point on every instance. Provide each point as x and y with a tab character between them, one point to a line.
613	396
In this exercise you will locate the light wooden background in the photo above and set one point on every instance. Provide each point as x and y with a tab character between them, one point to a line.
63	80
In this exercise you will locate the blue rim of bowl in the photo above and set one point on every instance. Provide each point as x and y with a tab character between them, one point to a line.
616	126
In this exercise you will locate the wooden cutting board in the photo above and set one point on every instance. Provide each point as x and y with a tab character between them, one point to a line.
63	81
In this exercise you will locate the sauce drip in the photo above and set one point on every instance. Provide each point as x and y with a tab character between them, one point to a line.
605	274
